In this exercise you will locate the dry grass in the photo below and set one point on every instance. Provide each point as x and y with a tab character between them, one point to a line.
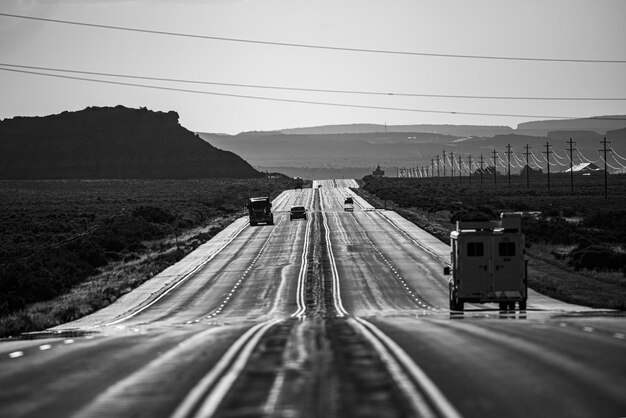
111	282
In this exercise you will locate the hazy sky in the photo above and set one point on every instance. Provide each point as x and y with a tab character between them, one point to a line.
569	29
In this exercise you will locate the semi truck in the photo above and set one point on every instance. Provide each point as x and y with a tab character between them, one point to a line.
488	264
260	210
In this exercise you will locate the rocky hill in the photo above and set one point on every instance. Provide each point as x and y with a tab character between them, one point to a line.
118	142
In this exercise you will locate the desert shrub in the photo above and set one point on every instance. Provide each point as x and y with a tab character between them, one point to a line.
597	257
153	214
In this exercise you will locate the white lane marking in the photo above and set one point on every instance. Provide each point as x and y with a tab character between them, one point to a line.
406	234
333	267
539	353
68	341
300	296
620	335
588	329
45	347
16	354
396	273
182	279
399	363
243	276
235	358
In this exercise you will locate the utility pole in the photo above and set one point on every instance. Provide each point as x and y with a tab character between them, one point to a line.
527	166
444	162
432	167
482	161
571	164
606	172
548	152
495	155
460	167
437	165
470	168
508	158
452	164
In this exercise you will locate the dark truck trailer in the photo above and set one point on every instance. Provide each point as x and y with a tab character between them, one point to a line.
488	263
260	211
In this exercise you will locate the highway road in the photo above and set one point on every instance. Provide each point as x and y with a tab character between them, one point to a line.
344	314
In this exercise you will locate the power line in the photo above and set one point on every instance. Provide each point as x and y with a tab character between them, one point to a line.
276	99
314	46
304	89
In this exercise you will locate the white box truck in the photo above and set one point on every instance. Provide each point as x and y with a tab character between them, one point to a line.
488	263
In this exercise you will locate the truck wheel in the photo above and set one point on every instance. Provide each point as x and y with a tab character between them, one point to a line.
511	306
522	305
503	306
456	306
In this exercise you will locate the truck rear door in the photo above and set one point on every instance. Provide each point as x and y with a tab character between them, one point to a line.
508	260
473	266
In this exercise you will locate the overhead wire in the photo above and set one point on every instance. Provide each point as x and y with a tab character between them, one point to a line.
622	165
615	153
609	165
519	161
313	46
537	161
582	157
558	156
276	99
306	89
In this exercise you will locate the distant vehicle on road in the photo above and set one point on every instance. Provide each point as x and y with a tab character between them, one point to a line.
298	183
260	211
348	204
488	263
297	212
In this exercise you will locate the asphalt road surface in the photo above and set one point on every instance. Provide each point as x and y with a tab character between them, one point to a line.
344	314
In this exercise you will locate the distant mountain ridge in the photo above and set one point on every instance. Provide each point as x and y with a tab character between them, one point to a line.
111	142
358	128
346	150
598	124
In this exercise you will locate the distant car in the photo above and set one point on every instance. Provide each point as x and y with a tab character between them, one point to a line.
319	186
348	200
297	212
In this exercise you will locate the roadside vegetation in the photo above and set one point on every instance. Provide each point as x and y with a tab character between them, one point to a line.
576	242
72	247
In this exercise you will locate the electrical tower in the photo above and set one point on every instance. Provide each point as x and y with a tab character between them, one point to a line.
606	171
548	152
527	166
508	158
571	164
